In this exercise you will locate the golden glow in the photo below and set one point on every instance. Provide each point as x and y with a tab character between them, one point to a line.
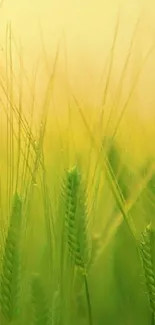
85	28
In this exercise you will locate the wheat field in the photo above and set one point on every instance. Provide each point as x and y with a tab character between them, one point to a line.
77	163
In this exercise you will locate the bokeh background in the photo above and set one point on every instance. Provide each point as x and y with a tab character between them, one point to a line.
85	33
103	82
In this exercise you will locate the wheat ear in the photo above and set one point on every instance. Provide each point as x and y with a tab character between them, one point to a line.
41	310
10	277
146	249
76	219
76	225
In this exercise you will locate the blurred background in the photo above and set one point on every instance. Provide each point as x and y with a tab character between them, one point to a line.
94	39
89	67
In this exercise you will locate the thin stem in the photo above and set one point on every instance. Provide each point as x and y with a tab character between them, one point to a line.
152	319
88	301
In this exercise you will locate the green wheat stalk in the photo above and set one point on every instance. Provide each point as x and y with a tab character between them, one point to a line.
76	220
56	306
41	310
10	278
146	249
76	225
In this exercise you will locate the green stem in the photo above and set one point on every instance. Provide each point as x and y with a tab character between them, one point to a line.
88	300
152	319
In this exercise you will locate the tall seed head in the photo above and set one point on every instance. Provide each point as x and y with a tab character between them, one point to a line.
147	252
76	221
10	277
